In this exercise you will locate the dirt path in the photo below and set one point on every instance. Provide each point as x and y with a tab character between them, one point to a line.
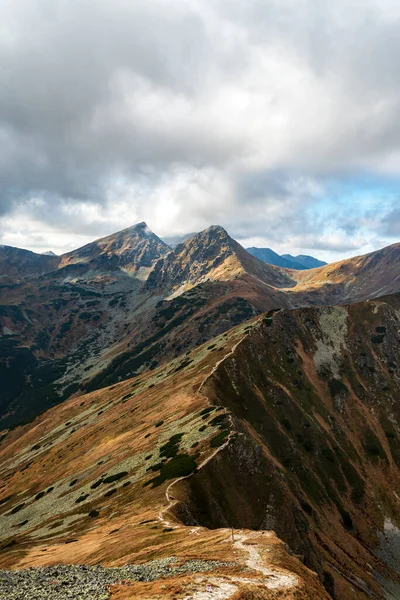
223	588
171	501
276	579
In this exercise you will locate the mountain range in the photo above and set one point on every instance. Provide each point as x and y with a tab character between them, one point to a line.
286	261
197	402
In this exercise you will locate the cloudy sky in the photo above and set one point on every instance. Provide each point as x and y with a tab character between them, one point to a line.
278	119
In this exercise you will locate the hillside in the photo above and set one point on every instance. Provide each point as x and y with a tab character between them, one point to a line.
360	278
287	423
103	317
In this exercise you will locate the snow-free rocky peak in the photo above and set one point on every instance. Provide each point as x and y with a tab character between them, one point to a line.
131	249
211	255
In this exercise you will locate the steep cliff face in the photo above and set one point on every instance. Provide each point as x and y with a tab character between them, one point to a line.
315	400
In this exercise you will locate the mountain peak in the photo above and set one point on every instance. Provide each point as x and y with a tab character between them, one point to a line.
131	248
213	234
210	255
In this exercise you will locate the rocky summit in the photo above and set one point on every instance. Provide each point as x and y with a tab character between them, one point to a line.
193	423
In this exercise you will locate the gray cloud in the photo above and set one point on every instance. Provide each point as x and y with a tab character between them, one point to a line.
391	224
186	112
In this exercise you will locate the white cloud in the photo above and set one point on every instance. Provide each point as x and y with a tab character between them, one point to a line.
190	112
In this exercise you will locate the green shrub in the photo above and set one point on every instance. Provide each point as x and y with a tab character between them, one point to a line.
180	465
6	499
155	467
115	477
337	387
207	410
378	339
307	508
219	439
17	508
373	446
81	498
170	449
96	484
218	420
346	519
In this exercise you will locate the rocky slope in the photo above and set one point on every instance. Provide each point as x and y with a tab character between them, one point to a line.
315	397
93	321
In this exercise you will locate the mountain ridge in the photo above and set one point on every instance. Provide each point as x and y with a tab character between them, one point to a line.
87	323
306	261
287	261
302	458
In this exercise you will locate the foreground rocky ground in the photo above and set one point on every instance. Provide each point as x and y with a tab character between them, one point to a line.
82	582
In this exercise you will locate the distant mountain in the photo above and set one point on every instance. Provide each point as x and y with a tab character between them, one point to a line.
305	261
17	264
287	261
272	258
48	253
129	249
